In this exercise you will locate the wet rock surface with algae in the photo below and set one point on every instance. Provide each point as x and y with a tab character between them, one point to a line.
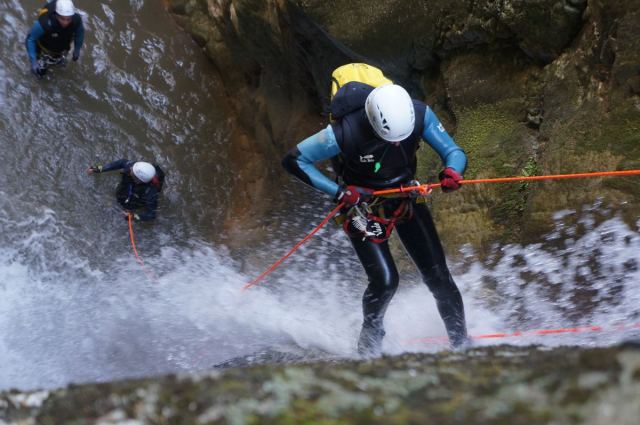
485	385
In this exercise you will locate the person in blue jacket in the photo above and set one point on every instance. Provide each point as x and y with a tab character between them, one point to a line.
139	187
375	134
50	37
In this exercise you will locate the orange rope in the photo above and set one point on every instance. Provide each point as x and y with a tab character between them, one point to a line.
537	332
515	179
294	249
426	189
149	273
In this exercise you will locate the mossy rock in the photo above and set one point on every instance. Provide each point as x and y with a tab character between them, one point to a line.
487	385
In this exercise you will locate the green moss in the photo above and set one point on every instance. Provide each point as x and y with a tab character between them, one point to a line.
617	132
497	144
490	136
498	384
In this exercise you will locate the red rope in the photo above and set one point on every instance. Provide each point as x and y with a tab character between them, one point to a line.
294	249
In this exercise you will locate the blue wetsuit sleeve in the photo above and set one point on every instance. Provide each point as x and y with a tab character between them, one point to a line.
116	165
320	146
36	32
78	39
437	137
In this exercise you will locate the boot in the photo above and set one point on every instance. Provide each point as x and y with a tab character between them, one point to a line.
457	331
370	341
460	342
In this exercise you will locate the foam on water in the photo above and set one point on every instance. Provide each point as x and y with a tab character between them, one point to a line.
77	322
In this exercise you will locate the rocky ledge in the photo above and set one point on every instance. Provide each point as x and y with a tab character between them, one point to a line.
487	385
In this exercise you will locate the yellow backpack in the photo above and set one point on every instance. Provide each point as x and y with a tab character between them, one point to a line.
44	9
360	72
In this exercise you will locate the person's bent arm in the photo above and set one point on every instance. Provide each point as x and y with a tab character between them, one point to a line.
36	32
78	40
300	160
115	165
436	136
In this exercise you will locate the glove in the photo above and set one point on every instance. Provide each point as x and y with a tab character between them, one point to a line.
75	56
36	70
449	180
353	195
94	169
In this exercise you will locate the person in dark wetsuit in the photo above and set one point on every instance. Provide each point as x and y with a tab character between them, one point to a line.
51	35
376	133
139	188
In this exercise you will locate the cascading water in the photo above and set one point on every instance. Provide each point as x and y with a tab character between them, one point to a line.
76	307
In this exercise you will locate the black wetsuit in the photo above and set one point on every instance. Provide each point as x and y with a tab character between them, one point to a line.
48	36
420	238
352	139
133	195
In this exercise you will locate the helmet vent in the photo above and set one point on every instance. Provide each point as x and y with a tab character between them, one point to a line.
385	124
390	112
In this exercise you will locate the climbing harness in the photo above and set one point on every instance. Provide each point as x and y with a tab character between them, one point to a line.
373	222
47	61
376	220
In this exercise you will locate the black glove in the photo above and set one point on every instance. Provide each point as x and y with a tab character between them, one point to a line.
94	169
36	70
75	56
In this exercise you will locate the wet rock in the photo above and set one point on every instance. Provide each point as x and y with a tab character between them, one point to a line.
500	384
549	86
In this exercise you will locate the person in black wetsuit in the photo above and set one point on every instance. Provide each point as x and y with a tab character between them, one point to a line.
50	37
375	134
139	188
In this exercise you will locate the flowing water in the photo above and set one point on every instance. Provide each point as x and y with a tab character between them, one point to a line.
76	307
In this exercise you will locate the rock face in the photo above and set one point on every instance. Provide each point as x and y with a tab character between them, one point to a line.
493	385
525	87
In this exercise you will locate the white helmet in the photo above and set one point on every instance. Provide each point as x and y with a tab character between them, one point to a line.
144	171
65	8
390	112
